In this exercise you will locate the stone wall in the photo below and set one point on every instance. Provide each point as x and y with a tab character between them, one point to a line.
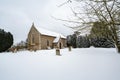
34	39
37	41
47	42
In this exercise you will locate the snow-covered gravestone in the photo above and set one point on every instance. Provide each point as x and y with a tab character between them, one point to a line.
58	51
69	42
69	48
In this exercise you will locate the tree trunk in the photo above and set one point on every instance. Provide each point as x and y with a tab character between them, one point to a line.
118	48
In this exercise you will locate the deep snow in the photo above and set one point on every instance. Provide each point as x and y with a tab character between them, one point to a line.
79	64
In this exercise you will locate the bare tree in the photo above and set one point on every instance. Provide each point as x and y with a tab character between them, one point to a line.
107	11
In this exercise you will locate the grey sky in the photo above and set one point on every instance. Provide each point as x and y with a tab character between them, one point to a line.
17	16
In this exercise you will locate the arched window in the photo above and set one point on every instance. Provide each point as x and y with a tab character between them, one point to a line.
32	39
60	45
47	43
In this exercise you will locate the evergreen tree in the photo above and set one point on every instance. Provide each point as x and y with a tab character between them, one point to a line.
101	42
83	42
69	40
100	35
74	41
6	40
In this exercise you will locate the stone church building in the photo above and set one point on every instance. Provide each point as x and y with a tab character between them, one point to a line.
43	39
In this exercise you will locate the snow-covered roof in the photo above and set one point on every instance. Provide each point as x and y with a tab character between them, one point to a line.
49	33
56	40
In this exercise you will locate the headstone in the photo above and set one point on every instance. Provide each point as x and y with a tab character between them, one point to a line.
58	51
69	48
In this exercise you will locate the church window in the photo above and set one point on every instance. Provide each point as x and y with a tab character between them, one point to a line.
47	43
33	39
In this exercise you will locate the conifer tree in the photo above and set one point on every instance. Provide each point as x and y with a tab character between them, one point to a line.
6	40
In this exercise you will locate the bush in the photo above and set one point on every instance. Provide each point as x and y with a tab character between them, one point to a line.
101	42
80	41
83	42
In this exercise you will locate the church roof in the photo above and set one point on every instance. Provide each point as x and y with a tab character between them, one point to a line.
56	40
48	33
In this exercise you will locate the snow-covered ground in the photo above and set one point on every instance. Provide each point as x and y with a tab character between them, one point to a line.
79	64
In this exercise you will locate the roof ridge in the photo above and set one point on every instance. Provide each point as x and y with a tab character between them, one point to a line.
49	32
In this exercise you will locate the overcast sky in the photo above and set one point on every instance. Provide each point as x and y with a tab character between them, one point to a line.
17	16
